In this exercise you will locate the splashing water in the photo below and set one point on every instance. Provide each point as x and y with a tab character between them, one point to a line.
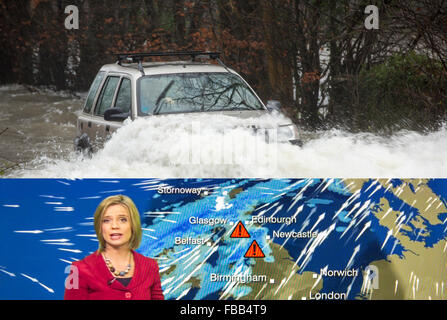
220	146
41	129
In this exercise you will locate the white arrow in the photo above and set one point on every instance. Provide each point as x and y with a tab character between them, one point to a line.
37	281
355	206
321	217
29	231
58	229
386	213
319	277
8	273
390	232
363	208
51	197
367	225
55	240
70	250
66	209
378	187
327	185
32	279
343	206
356	250
47	288
349	227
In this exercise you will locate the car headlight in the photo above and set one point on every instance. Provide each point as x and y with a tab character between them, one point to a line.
284	133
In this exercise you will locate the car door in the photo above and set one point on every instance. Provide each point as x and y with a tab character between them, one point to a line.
84	121
115	93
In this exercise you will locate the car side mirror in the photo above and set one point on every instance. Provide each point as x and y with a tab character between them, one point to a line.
115	114
273	105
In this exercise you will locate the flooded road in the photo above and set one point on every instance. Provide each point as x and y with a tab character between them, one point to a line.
40	128
35	124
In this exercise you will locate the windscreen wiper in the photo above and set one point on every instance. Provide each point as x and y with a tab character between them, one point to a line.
161	97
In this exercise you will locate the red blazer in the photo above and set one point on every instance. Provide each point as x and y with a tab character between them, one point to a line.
97	283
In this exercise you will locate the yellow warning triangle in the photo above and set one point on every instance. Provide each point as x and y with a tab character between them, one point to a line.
240	231
254	251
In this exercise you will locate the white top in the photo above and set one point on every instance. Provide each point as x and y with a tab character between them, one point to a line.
155	68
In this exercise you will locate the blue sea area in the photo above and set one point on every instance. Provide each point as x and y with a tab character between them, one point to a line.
439	187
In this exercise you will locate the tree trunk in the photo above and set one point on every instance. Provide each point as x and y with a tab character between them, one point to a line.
278	61
179	23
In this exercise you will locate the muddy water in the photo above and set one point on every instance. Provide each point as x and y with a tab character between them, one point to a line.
38	123
41	128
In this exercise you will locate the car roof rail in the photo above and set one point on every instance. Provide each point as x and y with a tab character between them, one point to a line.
138	57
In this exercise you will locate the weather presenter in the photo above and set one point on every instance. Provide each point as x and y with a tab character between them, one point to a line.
115	271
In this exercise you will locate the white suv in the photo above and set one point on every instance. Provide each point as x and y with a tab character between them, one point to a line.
133	88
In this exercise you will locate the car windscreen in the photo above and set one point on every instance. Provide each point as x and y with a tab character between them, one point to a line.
194	92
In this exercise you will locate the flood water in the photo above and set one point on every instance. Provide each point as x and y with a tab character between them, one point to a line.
37	124
40	128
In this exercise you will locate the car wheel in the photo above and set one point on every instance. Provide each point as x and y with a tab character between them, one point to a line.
82	144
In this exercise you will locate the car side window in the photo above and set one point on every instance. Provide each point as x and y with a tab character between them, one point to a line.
106	97
93	90
124	97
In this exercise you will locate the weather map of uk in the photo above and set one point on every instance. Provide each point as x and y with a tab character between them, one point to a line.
247	239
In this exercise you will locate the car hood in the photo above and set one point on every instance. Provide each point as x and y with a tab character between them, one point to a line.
267	119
